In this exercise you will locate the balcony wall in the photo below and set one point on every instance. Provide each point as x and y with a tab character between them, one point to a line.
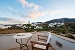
63	43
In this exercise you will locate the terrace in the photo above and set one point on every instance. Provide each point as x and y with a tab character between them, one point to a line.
7	42
17	48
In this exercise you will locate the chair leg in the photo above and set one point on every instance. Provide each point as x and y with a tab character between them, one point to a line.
27	48
32	47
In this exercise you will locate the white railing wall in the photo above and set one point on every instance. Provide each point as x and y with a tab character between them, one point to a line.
67	44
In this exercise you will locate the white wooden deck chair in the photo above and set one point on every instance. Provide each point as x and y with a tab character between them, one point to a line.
43	45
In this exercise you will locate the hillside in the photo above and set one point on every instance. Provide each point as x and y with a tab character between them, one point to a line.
62	20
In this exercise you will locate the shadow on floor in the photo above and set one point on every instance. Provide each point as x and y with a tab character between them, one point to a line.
17	48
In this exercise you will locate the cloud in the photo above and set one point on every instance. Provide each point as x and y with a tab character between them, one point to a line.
35	14
32	14
10	8
12	11
25	3
54	12
11	20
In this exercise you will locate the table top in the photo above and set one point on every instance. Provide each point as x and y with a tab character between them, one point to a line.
22	35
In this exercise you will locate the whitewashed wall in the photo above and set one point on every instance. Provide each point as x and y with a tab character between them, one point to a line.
67	44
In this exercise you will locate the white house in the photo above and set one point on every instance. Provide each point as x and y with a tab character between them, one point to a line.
4	27
38	27
58	24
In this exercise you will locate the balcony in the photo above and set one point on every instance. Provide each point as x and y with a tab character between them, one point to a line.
7	42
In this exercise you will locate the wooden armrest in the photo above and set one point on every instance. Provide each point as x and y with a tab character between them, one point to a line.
42	36
46	44
43	39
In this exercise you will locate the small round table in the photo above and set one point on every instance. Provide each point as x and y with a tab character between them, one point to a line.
22	36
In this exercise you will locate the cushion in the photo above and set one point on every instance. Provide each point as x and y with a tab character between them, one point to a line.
40	46
42	42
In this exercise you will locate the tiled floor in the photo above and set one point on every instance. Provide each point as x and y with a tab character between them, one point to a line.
17	48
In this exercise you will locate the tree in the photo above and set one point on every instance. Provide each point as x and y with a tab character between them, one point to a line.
28	26
45	26
28	29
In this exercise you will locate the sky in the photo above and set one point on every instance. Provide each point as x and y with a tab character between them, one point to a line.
22	11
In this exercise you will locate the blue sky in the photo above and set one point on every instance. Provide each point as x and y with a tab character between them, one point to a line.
22	11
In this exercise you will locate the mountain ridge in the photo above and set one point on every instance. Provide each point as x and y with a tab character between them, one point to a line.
61	20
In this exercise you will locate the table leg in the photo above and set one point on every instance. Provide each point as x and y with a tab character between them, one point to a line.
20	47
19	44
27	47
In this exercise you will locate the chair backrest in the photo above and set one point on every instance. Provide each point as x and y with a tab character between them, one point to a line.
47	43
49	38
42	38
45	38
